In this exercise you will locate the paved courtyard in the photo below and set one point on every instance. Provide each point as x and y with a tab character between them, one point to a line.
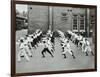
39	64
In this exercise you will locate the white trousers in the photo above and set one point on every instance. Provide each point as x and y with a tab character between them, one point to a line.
23	52
67	50
28	51
87	48
83	47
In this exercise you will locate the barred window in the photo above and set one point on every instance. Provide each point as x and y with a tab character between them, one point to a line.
82	22
75	22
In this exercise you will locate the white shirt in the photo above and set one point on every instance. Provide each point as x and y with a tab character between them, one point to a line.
68	46
79	37
61	33
87	43
21	46
29	39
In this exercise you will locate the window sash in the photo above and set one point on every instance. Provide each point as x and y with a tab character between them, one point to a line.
78	23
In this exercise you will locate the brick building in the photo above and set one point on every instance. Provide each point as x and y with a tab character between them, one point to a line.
62	18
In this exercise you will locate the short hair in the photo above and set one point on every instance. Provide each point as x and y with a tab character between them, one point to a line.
31	36
67	41
86	39
44	41
21	40
26	35
25	38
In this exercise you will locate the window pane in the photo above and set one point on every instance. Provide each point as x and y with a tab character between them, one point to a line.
82	22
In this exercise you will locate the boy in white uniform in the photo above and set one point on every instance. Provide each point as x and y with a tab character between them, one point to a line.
87	47
23	51
49	33
80	39
28	40
66	48
47	48
50	45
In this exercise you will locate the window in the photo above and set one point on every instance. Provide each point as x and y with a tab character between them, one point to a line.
75	22
79	22
82	22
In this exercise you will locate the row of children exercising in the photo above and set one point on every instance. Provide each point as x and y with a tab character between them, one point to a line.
27	43
81	41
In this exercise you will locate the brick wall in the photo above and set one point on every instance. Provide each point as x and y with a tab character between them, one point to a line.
38	18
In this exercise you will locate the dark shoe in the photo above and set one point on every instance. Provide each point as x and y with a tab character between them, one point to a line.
73	57
22	56
52	56
64	56
92	53
43	56
31	56
86	54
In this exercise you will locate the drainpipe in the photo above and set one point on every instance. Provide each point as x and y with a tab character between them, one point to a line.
50	17
87	24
